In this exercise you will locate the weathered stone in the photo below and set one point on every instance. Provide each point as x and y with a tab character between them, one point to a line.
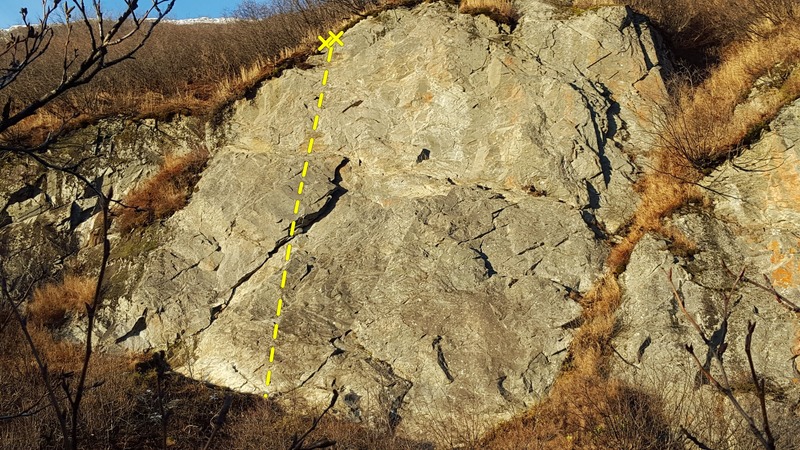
416	285
463	180
653	330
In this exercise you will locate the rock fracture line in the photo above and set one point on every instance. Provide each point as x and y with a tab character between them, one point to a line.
327	45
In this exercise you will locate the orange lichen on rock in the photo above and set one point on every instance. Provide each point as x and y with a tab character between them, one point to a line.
787	274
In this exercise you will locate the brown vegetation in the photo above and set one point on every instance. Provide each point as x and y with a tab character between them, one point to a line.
164	193
710	122
501	11
184	69
705	124
52	302
122	405
199	69
698	29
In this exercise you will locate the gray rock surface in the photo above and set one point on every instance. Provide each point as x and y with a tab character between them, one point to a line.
463	182
46	217
425	289
752	226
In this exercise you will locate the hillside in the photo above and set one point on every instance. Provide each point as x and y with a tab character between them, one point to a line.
510	227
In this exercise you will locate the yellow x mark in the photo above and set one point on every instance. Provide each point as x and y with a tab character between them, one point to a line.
331	41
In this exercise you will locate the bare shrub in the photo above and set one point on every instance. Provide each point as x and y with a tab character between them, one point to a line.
164	193
184	69
746	392
697	29
590	413
709	122
52	302
501	11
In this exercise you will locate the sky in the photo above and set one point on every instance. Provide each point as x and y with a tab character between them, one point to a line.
184	9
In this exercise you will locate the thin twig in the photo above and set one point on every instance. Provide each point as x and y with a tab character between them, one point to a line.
219	418
768	287
695	440
760	385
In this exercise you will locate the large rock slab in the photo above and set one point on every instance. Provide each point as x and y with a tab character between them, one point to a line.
416	286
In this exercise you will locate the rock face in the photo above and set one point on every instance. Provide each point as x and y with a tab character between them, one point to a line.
464	184
47	216
462	181
753	226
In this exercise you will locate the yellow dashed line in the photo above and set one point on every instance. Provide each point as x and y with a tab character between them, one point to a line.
328	43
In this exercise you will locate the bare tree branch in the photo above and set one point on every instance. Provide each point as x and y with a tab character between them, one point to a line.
102	40
58	411
27	48
219	418
716	352
76	71
751	327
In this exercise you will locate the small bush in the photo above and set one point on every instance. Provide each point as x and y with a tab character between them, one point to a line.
165	193
501	11
709	122
184	69
52	302
696	30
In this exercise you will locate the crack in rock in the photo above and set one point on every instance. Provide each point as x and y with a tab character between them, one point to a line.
503	391
246	380
336	351
437	345
303	224
486	263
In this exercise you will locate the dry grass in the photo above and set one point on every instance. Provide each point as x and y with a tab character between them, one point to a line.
107	409
121	410
661	195
710	122
52	302
164	193
501	11
265	425
184	69
697	29
586	409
